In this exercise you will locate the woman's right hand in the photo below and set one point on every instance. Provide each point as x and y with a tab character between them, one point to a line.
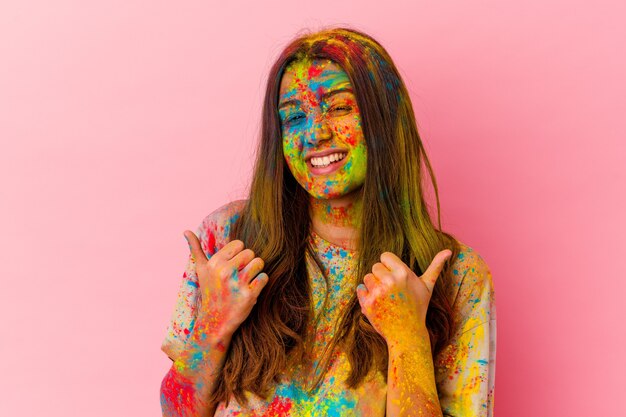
230	283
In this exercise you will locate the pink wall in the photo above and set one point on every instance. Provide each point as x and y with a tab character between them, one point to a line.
122	123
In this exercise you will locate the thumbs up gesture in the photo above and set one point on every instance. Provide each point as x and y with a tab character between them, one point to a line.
230	283
394	299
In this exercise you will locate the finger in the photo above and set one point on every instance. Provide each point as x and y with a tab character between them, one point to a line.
229	250
392	262
253	268
362	293
242	259
370	281
380	271
258	283
434	269
197	253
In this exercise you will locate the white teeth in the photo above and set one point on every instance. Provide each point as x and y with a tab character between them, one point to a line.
326	160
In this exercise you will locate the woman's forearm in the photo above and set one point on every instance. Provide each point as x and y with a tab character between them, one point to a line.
411	387
186	388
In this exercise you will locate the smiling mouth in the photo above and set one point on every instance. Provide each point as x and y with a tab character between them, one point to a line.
323	162
319	166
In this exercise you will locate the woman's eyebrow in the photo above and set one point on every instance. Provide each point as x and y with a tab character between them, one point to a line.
325	97
331	93
292	102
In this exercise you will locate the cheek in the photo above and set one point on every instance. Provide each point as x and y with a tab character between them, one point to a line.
292	151
349	131
357	165
292	145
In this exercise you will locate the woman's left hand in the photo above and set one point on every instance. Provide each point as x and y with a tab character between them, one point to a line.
394	299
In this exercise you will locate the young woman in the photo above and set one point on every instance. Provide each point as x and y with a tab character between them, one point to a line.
329	291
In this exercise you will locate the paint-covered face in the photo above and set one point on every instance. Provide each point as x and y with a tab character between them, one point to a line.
323	141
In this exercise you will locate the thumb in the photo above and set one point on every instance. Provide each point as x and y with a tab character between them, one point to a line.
434	269
195	247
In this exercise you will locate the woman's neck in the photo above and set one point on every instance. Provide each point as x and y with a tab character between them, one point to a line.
337	220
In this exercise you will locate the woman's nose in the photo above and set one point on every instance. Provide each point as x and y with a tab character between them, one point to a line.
320	130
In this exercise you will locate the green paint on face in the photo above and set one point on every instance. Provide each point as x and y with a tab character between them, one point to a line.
318	112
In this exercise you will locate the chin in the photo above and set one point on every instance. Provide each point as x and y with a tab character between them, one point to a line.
336	193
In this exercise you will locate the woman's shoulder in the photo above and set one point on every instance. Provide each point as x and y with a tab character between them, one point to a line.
469	265
214	231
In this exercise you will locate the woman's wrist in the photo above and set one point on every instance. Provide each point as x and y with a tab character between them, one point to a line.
412	339
210	333
204	351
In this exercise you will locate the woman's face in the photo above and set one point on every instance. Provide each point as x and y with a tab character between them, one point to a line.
323	142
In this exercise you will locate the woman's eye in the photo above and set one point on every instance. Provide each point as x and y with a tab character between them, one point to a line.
341	109
294	118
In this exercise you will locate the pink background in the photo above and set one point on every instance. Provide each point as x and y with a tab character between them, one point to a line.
123	123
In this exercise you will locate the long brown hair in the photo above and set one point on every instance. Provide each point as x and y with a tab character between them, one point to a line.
275	224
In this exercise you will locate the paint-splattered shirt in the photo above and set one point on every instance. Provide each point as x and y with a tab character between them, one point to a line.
464	369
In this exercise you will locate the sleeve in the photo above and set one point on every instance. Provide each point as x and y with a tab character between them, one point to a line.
465	368
213	234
